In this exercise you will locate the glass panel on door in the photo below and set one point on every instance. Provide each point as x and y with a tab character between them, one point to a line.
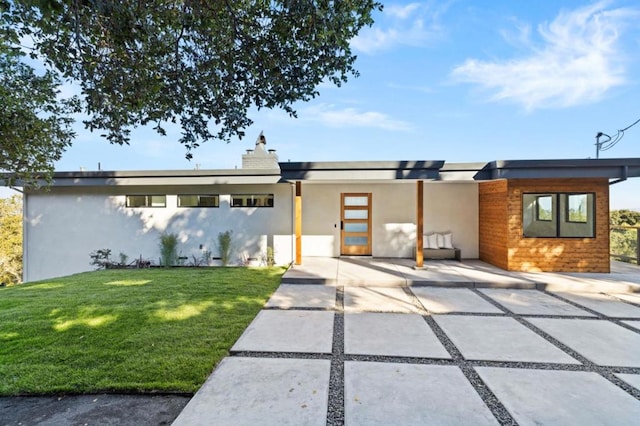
356	201
356	214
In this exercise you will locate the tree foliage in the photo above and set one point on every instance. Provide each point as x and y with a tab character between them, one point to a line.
199	63
35	125
11	240
624	242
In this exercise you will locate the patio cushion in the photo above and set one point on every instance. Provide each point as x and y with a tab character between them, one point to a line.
432	241
444	240
447	240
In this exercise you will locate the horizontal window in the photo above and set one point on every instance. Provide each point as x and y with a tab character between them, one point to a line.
252	200
558	215
198	200
146	200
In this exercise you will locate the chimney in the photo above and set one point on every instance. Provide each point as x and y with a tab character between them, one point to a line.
259	157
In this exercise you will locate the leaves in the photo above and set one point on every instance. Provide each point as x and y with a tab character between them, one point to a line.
11	240
35	124
624	242
201	64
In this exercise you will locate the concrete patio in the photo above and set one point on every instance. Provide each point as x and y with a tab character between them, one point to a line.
412	352
368	271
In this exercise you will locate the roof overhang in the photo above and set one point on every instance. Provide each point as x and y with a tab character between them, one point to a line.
616	169
166	177
610	168
361	171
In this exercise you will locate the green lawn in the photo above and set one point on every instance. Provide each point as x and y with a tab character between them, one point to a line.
125	330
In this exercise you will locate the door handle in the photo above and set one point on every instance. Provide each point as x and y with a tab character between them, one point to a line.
341	225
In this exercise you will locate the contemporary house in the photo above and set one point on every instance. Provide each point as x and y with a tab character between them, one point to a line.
525	215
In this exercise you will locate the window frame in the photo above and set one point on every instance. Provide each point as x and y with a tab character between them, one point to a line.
148	201
198	206
560	213
267	205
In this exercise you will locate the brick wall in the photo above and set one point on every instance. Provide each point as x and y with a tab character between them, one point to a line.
501	236
493	223
559	254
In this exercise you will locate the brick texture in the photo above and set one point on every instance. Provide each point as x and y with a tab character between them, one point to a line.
493	223
501	236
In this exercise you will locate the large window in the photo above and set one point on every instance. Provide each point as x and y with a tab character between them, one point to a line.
252	200
558	215
187	200
146	200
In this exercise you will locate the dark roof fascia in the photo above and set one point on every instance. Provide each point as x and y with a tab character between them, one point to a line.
611	168
165	177
360	170
165	173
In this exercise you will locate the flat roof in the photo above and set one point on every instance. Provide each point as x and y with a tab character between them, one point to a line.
616	168
361	170
357	171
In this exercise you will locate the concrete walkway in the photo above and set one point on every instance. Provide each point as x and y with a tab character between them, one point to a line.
415	355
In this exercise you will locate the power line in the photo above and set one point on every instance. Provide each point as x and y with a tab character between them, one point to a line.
630	125
611	141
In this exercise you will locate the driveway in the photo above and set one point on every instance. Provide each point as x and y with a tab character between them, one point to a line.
361	355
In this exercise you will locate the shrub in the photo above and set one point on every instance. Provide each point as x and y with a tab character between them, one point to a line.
100	258
224	246
206	257
168	249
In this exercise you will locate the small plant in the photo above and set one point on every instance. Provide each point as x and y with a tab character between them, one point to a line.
270	257
142	263
123	259
206	257
168	249
100	258
195	261
224	246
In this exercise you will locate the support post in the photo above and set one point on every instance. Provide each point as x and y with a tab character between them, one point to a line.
420	224
298	223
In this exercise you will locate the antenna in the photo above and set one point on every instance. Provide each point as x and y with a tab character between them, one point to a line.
610	142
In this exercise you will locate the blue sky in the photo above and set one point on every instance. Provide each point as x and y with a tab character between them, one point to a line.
447	80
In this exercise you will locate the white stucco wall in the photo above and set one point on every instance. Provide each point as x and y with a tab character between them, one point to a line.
453	206
392	224
448	206
65	225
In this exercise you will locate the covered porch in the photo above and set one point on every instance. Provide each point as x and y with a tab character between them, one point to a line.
384	209
385	272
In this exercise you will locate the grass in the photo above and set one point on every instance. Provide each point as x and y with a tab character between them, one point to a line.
125	330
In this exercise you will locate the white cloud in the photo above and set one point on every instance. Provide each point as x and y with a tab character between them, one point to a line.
577	61
415	24
402	12
351	117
